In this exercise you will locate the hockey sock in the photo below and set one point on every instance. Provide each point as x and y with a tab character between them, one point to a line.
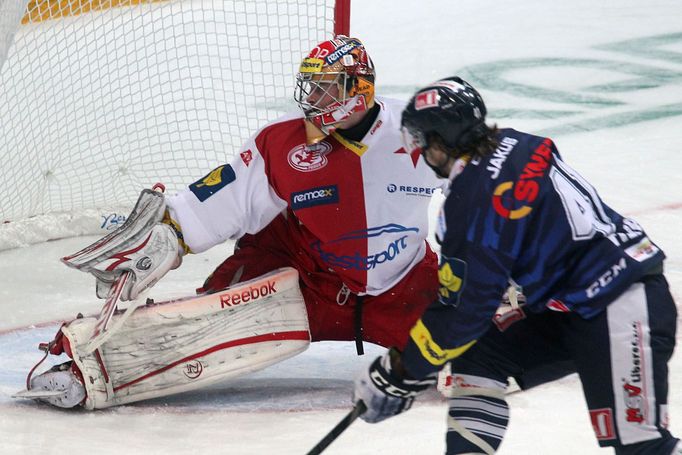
476	424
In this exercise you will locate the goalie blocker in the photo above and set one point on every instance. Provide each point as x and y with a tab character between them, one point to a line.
181	345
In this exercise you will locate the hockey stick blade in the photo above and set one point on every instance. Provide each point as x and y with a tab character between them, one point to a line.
340	427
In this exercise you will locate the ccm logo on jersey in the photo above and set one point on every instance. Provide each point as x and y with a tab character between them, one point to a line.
253	293
214	181
314	196
527	188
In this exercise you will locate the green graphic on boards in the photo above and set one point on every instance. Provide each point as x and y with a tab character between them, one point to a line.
637	65
636	68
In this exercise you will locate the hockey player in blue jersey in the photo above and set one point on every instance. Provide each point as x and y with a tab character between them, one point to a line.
596	300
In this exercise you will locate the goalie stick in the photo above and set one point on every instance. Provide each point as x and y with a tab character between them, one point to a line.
340	427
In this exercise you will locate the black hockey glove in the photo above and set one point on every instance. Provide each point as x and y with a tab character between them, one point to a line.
384	390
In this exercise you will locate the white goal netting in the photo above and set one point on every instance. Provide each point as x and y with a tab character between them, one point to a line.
101	98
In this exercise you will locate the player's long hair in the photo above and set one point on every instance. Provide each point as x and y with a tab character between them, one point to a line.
481	147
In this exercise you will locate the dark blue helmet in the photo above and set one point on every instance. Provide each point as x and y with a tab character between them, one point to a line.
450	108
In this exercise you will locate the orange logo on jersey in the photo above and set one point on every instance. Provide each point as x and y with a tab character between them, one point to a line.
504	212
527	188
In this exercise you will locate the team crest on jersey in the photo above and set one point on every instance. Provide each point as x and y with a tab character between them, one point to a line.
308	158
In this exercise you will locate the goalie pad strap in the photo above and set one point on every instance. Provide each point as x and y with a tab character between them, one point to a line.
181	345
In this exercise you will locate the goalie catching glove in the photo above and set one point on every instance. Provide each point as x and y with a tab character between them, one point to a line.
146	246
385	390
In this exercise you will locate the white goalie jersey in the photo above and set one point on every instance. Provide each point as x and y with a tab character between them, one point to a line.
363	205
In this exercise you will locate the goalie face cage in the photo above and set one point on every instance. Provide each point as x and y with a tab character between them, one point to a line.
100	98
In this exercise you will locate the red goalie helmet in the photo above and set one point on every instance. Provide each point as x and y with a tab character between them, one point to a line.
335	80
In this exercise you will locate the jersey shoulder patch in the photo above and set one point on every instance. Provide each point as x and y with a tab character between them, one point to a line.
215	180
452	277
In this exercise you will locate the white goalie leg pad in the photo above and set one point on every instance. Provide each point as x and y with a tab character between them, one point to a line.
181	345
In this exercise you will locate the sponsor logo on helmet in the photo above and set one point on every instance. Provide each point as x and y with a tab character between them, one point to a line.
340	52
424	191
427	99
314	196
527	188
308	158
311	65
193	369
213	182
360	261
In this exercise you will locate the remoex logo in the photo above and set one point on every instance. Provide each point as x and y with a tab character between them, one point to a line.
426	99
253	293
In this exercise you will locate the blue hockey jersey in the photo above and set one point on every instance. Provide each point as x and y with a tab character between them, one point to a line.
523	214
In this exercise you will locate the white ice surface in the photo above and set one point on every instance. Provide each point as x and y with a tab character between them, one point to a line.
287	408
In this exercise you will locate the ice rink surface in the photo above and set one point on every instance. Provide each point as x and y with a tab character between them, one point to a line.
603	79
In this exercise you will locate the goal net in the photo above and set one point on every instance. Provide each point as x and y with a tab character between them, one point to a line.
101	98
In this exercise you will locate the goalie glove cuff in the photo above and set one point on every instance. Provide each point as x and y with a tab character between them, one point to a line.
184	248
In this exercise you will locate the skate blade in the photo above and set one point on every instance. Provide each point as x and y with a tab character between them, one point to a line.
37	394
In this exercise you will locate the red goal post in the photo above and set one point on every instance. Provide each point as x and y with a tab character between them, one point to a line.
101	98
